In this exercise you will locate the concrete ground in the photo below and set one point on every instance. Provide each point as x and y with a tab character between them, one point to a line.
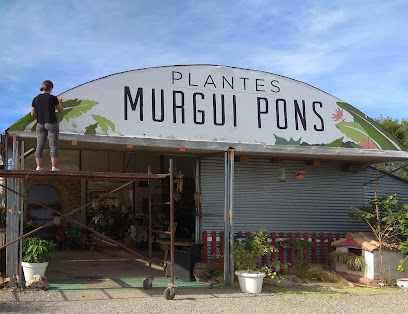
106	261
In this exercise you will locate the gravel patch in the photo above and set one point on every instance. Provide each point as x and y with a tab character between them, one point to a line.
195	301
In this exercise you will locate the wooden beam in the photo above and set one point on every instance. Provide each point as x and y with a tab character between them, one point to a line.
354	167
80	175
277	161
313	162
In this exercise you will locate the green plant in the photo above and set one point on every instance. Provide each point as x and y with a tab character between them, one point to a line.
387	219
3	217
217	258
300	246
38	250
404	252
351	260
248	251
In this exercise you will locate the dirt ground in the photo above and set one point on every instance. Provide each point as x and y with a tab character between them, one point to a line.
314	299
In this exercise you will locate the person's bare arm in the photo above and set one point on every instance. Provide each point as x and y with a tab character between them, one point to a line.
33	111
59	106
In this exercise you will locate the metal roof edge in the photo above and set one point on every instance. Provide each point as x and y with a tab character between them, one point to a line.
368	156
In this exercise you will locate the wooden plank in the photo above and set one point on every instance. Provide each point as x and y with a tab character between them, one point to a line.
80	175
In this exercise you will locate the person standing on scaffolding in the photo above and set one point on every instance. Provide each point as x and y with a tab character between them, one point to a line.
43	107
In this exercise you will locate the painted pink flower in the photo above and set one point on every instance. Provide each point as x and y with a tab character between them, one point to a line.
369	143
338	115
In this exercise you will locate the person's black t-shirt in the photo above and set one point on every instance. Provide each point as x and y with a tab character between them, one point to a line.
44	105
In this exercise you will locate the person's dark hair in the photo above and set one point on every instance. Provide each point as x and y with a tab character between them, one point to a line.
46	85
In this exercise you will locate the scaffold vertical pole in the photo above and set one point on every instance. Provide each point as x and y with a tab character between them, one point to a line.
171	220
21	215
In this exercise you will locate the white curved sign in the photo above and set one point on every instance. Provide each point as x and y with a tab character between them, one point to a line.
214	104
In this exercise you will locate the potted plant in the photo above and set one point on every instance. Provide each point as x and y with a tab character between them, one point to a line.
36	254
352	261
247	254
217	259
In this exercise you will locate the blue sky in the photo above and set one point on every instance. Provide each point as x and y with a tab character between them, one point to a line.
355	50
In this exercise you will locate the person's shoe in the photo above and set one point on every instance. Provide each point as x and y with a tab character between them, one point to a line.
54	169
39	168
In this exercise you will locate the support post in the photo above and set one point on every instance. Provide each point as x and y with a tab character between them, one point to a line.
231	159
226	220
171	178
197	204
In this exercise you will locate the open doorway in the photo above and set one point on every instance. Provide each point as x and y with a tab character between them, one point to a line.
36	215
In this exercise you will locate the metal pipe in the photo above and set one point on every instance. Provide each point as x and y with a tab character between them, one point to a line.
81	175
231	204
73	221
12	249
45	206
171	178
149	170
226	219
197	237
21	215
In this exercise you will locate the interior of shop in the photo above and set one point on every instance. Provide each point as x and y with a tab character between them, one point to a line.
121	215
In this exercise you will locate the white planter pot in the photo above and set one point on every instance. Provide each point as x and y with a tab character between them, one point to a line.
250	282
32	269
402	283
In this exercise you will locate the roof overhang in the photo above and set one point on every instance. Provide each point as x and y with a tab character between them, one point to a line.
205	109
174	146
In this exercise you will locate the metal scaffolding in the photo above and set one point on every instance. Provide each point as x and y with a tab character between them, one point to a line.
15	212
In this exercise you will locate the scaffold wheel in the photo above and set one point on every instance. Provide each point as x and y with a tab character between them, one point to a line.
169	293
147	283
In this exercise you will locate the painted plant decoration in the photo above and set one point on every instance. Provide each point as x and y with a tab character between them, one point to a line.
73	108
361	132
364	131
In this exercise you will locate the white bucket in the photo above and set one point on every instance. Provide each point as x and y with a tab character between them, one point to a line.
402	283
249	282
32	269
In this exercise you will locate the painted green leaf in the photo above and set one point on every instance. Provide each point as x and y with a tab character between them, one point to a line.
74	108
21	124
353	130
384	140
91	130
356	145
336	143
283	141
104	123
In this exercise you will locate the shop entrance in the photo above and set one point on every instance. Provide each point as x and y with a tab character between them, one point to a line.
36	215
123	215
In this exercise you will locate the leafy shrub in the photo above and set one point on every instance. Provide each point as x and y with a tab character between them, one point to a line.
38	250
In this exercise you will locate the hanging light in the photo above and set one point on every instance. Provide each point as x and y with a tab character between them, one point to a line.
282	174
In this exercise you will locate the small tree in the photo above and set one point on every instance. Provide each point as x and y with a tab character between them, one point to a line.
386	218
404	251
300	246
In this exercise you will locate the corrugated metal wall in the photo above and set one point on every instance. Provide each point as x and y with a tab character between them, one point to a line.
388	185
318	203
